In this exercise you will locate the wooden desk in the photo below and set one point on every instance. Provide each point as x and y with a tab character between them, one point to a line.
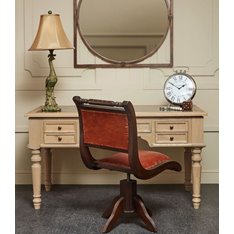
158	128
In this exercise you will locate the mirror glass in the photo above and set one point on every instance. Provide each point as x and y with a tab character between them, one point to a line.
123	31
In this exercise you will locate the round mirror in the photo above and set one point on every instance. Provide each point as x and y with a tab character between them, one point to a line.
123	31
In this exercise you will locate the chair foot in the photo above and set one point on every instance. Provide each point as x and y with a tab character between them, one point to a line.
148	210
106	214
141	210
117	210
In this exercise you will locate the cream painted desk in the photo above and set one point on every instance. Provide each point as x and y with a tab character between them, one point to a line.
158	128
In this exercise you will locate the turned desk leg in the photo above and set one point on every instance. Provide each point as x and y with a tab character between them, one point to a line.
187	169
36	178
47	157
196	172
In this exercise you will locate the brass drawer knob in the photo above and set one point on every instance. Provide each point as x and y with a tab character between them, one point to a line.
59	128
171	127
60	138
171	138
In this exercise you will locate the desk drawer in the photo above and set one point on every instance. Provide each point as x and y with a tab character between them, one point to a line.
178	138
59	139
144	126
60	126
171	126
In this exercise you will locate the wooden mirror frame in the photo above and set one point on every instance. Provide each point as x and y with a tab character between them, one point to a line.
118	64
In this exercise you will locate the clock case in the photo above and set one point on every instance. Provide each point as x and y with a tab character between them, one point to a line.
183	74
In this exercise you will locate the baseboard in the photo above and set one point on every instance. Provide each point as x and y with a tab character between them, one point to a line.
114	178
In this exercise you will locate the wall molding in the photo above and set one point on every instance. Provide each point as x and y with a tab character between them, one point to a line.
201	56
36	66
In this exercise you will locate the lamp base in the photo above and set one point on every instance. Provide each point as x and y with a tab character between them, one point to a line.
51	109
51	80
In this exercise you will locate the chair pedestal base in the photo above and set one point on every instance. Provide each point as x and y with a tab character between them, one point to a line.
127	202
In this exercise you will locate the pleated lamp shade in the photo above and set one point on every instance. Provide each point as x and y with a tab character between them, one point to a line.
50	34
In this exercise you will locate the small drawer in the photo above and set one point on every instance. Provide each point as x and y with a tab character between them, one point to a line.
162	138
171	126
144	126
59	139
55	127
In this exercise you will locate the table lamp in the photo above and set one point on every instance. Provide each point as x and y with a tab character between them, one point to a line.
51	36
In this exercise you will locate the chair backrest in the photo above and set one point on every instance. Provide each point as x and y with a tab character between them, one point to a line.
105	128
107	125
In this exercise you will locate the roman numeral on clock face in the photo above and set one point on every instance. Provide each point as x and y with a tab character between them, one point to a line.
168	94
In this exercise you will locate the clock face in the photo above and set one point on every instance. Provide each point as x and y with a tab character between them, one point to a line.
179	87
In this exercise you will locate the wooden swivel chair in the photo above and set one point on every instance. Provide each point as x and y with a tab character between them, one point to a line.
112	125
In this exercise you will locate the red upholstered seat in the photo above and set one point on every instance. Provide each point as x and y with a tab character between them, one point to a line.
148	159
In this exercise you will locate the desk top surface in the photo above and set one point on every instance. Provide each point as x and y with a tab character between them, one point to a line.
141	111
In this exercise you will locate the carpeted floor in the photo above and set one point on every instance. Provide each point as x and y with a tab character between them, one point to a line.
77	209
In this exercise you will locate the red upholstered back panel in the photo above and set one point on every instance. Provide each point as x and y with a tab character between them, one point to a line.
106	129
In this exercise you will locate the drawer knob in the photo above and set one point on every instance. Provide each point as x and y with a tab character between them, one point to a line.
171	127
59	128
60	138
171	138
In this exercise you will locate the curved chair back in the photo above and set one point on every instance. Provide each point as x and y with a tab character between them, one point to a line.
107	125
